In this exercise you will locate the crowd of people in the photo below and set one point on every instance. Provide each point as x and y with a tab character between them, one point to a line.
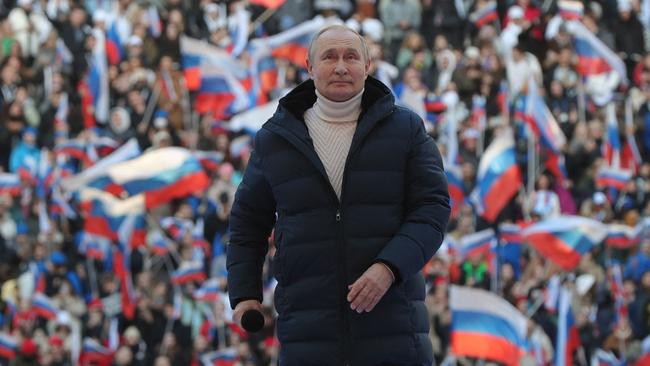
62	305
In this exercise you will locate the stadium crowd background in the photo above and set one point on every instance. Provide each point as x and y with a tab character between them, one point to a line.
80	79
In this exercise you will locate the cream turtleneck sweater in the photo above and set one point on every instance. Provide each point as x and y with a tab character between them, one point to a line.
331	126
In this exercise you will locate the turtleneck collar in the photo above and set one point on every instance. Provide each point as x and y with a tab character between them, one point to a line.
338	112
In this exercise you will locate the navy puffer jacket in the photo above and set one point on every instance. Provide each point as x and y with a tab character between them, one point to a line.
394	208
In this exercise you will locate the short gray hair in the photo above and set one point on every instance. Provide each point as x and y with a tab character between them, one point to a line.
364	45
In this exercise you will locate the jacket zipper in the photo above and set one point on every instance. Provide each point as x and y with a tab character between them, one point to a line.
344	268
343	295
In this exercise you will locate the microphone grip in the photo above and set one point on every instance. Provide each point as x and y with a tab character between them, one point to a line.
252	321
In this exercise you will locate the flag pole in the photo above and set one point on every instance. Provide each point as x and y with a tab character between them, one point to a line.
93	277
172	251
582	107
188	115
531	160
148	112
261	19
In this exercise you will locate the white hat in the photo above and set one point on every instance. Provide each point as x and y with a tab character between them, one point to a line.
373	28
160	122
584	283
472	52
22	3
471	133
353	24
100	16
599	198
63	318
515	12
624	6
327	4
211	8
134	41
159	136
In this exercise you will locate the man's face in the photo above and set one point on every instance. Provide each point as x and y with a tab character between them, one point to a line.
338	68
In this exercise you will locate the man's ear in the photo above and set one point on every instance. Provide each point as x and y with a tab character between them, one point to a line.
309	67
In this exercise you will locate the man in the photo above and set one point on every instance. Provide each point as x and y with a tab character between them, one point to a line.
358	197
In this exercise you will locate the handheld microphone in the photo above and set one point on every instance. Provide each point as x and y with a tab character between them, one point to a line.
252	321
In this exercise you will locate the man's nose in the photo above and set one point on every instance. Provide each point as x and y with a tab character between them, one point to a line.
341	68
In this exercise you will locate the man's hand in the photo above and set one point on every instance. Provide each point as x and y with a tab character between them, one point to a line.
242	307
366	292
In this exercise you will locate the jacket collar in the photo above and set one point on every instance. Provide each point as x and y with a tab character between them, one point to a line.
377	102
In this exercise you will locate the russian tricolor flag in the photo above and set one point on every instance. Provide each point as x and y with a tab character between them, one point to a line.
568	338
503	98
552	294
612	145
105	214
104	145
609	177
435	106
8	346
556	164
511	240
594	57
210	160
499	177
602	358
62	111
485	326
268	74
160	175
10	183
94	247
188	272
456	189
209	291
622	236
570	10
92	351
43	306
480	243
485	15
198	239
227	357
293	43
217	76
616	281
128	151
74	149
114	50
510	234
541	120
479	115
159	244
565	239
98	78
176	228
